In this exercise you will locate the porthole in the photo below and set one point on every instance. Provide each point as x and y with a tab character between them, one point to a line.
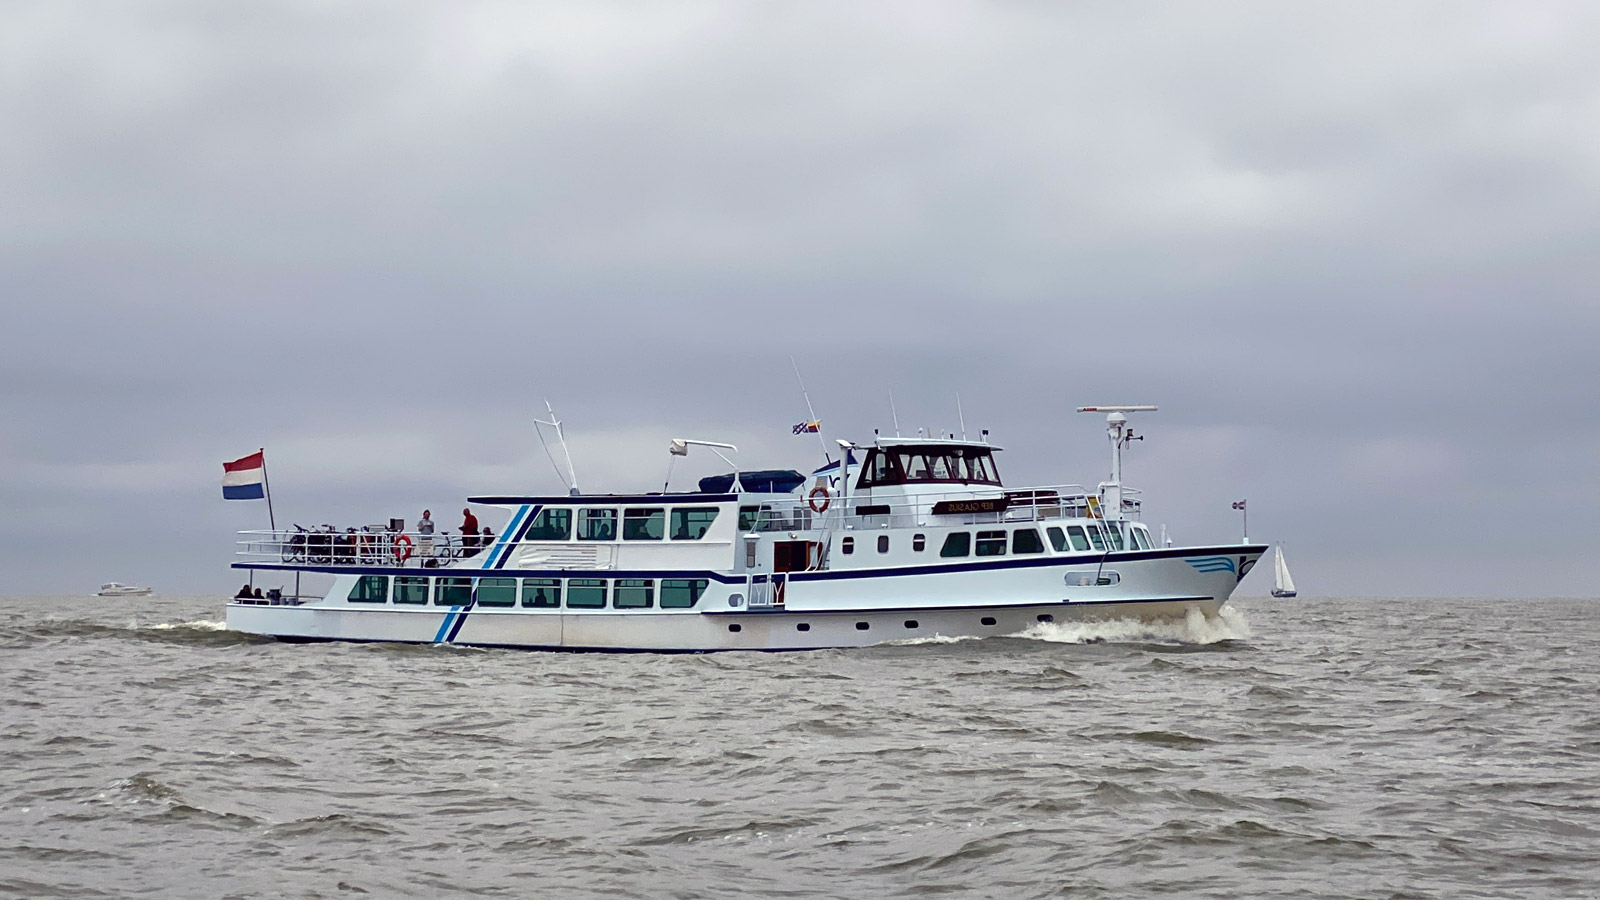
987	620
1045	617
862	626
919	542
847	546
736	628
911	623
883	543
803	626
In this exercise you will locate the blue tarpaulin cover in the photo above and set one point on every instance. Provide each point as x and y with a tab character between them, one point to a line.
767	481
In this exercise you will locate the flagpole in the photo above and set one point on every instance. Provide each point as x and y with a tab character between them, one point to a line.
266	485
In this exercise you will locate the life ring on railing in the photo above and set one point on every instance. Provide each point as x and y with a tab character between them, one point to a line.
811	499
402	548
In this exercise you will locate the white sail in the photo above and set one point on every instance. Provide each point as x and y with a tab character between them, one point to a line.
1281	582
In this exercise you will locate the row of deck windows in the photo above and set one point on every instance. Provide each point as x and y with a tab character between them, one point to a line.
1023	541
533	593
688	523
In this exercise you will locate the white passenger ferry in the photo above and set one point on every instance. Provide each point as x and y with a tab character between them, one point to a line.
901	538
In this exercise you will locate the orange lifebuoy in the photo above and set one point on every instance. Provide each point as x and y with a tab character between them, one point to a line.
811	499
402	548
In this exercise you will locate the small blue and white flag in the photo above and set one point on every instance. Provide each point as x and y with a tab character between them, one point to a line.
245	478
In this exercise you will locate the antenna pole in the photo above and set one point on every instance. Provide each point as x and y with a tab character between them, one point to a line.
809	411
961	416
572	474
894	415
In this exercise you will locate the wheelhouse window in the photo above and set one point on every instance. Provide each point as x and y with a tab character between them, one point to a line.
370	589
541	593
1097	538
597	524
586	593
682	593
1026	540
644	524
634	593
956	543
1079	540
991	543
411	589
551	525
1114	534
922	465
690	523
497	592
453	592
1139	537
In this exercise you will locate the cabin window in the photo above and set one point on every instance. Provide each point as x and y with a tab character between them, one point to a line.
370	589
411	589
754	518
915	465
980	467
1140	537
847	546
551	525
1026	540
1096	538
586	593
1079	541
497	592
991	543
682	593
597	524
691	523
928	464
453	592
541	593
956	543
919	542
883	543
644	524
634	593
1058	538
1114	534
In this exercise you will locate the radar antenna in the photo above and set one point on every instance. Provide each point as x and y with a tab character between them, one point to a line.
1120	433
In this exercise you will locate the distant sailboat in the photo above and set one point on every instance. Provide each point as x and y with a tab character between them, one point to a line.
1282	584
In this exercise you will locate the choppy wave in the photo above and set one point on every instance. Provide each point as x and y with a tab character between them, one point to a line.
1349	749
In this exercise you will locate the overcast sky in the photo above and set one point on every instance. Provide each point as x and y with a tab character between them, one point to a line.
1350	249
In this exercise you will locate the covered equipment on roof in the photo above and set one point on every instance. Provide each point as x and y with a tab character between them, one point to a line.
766	481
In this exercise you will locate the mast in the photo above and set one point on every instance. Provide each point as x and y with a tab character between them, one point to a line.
1120	434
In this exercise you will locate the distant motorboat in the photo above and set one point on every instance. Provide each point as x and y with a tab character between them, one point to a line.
113	589
1282	584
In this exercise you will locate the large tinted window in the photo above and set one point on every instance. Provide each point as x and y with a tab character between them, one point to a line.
681	593
411	589
453	592
1097	537
551	525
957	543
597	524
541	593
690	523
644	524
1115	534
991	543
497	592
1026	540
1058	538
370	589
634	593
929	464
586	593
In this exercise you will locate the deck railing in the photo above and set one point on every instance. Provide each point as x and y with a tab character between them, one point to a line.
1030	504
369	545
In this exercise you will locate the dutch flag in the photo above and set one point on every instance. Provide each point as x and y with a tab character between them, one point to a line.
245	479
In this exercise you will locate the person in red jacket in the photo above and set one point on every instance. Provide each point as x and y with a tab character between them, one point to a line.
469	532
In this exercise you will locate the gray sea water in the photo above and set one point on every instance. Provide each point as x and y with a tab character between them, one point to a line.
1308	748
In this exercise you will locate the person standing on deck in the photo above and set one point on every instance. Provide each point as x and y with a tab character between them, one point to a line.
469	533
425	537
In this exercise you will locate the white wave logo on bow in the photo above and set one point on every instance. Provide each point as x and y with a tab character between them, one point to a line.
1213	563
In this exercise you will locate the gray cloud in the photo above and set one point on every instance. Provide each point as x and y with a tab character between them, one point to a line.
1346	248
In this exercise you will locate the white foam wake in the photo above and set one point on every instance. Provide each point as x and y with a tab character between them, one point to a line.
196	625
1195	628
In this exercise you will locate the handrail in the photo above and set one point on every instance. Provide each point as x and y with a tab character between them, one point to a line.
326	545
